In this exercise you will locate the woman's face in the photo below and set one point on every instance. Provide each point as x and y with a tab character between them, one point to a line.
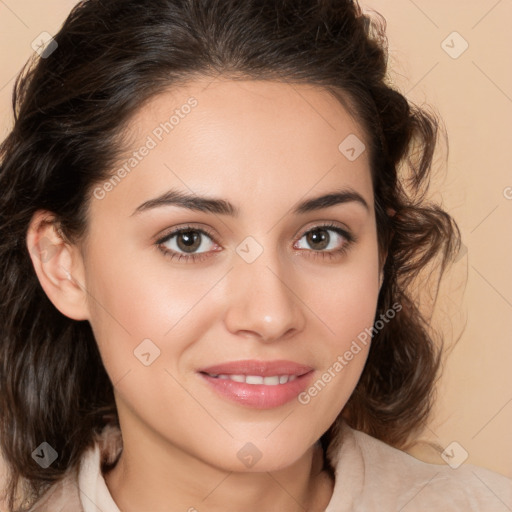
236	341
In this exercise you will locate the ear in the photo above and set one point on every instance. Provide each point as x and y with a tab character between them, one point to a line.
381	279
58	265
382	262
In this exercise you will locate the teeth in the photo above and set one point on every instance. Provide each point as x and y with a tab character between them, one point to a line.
273	380
254	379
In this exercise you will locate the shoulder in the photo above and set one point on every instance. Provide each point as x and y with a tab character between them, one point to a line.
63	496
373	475
82	487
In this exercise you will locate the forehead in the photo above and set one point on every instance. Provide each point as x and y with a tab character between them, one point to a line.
251	138
305	109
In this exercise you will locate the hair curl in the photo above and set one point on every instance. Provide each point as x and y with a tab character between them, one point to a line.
70	109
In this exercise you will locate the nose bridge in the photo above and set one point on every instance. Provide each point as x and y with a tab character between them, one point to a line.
262	302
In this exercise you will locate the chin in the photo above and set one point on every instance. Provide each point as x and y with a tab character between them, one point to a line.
257	455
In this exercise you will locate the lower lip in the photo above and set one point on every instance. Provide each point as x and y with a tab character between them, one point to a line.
259	396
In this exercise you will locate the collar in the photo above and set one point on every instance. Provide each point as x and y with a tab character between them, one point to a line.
95	495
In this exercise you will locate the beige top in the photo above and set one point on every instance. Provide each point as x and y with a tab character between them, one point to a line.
370	476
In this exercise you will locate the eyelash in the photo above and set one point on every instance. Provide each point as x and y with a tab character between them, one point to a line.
193	258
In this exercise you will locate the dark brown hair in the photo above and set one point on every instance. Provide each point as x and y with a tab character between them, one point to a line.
71	107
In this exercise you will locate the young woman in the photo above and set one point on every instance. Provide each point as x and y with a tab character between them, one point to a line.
211	214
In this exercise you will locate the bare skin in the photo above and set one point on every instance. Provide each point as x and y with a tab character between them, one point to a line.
264	147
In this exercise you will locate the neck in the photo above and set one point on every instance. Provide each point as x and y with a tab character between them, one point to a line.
147	477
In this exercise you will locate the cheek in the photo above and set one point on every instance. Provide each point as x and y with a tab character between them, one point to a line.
346	305
130	302
346	301
349	314
133	300
349	301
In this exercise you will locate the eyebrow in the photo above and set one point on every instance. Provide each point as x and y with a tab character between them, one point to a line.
223	207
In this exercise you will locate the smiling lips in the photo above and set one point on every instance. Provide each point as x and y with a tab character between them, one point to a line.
258	384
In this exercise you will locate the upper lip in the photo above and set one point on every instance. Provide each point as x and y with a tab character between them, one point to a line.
262	368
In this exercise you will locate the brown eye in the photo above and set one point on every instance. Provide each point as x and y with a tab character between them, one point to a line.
326	239
318	239
187	241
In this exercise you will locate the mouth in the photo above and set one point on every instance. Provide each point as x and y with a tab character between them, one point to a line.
273	380
258	384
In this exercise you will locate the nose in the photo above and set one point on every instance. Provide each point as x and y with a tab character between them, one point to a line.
263	303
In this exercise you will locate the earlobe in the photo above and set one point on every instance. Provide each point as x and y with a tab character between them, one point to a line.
58	266
381	279
382	263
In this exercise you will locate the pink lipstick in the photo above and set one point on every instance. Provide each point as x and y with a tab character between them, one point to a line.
258	384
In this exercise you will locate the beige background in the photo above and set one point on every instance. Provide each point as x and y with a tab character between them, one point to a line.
473	94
